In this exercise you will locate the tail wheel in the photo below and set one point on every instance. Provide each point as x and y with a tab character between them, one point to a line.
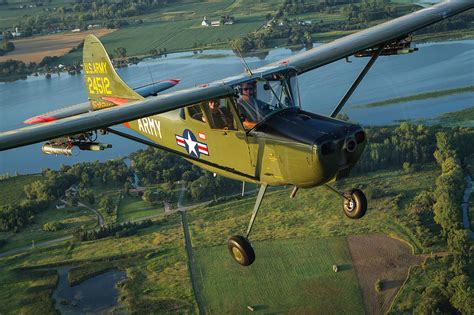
241	250
355	205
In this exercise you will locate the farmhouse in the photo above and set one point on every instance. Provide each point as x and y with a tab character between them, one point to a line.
204	22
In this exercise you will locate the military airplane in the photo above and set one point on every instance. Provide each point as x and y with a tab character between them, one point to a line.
250	127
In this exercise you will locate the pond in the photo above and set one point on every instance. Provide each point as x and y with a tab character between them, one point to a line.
97	295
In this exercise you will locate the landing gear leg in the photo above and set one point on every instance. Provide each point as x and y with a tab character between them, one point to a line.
354	202
239	246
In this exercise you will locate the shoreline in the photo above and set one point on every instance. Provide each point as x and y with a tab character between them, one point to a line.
135	59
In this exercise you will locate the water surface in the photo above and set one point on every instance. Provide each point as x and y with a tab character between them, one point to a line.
97	295
437	66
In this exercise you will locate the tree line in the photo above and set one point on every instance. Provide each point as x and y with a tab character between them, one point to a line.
434	215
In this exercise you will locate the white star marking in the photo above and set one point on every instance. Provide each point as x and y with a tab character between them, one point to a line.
191	144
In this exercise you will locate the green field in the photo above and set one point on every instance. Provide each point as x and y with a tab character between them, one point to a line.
289	276
464	118
134	208
12	188
72	218
317	212
418	97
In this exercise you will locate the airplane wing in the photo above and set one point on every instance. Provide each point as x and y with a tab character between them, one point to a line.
373	37
111	116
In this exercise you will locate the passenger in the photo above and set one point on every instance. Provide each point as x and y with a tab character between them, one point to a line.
221	118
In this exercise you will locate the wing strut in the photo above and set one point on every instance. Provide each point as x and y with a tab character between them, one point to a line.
359	79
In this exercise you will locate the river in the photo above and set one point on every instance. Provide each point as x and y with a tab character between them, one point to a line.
436	66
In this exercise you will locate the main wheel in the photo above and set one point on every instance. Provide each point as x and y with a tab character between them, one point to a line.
355	205
241	250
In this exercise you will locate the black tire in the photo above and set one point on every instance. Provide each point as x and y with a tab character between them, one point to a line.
356	206
241	250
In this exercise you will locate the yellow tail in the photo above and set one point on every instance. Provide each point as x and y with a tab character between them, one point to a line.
104	87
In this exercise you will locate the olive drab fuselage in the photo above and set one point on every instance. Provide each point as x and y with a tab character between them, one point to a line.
290	147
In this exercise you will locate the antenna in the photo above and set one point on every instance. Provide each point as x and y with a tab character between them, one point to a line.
151	75
246	66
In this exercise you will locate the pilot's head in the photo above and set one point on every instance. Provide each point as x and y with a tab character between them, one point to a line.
249	90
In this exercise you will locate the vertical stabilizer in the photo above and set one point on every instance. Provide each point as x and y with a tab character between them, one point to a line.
104	87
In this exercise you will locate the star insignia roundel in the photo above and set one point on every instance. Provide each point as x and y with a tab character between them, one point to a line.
194	147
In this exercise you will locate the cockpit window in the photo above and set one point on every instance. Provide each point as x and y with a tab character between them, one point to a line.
195	112
219	114
261	98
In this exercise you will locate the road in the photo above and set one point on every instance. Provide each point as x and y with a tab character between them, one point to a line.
100	218
40	244
189	249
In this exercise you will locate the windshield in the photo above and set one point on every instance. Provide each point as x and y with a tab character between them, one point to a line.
262	98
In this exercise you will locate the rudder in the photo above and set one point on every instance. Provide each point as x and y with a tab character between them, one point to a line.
104	87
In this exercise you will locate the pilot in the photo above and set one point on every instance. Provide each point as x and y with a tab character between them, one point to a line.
220	116
251	110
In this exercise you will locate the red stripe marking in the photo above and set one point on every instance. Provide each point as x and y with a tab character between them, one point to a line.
127	124
39	119
116	100
174	81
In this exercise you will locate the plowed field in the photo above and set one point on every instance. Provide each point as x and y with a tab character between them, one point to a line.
380	257
36	48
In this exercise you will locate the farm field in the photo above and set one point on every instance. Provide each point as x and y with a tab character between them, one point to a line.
133	208
289	276
379	257
34	49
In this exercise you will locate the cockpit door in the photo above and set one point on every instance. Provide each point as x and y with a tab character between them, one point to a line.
223	134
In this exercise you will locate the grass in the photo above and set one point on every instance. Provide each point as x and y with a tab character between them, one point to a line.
134	208
289	276
455	118
317	212
13	188
29	291
420	278
71	217
417	97
463	34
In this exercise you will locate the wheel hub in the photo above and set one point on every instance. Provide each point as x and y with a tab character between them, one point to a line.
350	205
237	254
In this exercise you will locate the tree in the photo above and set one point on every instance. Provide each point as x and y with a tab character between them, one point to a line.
462	294
151	197
106	205
121	52
458	241
87	195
